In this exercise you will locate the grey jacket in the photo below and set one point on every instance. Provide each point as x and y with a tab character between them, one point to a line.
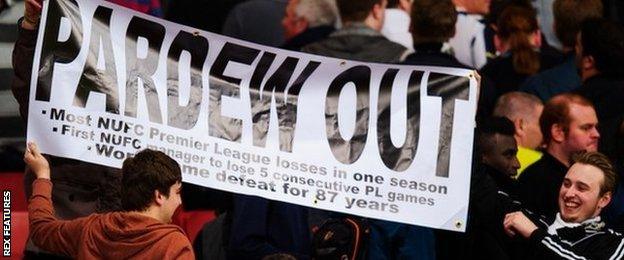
358	42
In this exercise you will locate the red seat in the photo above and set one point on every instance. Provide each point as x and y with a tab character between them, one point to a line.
192	221
14	182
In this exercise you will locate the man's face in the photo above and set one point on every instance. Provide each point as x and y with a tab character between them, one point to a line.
582	134
292	24
477	6
502	154
171	203
533	134
579	196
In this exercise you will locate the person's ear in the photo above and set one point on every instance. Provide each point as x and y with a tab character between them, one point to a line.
302	24
557	132
588	62
537	38
378	11
159	198
604	200
519	126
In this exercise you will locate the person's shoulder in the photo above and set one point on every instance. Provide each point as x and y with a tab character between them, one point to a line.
533	172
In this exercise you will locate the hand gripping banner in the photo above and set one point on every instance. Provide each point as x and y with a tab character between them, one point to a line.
384	141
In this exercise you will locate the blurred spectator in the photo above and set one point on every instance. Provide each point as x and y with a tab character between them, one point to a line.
257	21
308	21
569	14
600	55
569	125
545	18
397	22
518	39
469	41
359	38
524	110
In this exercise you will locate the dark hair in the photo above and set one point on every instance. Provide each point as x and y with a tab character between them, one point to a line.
146	172
488	127
604	41
392	3
557	111
433	21
355	10
601	162
515	25
569	14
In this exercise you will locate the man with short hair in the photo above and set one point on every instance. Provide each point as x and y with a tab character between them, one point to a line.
150	190
497	150
568	15
569	125
308	21
524	111
577	232
359	38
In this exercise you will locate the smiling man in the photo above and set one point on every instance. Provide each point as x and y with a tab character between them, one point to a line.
577	232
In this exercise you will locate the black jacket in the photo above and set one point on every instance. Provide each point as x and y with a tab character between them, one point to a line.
540	183
590	240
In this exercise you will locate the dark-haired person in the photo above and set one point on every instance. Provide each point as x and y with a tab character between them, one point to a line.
151	186
600	55
518	39
497	151
568	16
569	125
577	231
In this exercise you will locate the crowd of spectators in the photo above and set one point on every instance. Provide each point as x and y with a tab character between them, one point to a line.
549	138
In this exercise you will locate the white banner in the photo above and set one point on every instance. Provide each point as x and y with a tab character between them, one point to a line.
390	142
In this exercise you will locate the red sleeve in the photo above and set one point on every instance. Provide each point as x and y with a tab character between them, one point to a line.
56	236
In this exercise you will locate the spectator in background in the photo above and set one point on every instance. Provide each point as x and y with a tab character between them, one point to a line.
397	22
469	41
569	125
308	21
524	110
359	38
257	21
600	55
518	39
569	15
497	151
151	193
577	231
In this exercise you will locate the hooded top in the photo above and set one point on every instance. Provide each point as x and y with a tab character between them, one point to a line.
116	235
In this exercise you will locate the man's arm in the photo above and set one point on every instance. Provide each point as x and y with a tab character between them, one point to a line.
605	246
46	231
